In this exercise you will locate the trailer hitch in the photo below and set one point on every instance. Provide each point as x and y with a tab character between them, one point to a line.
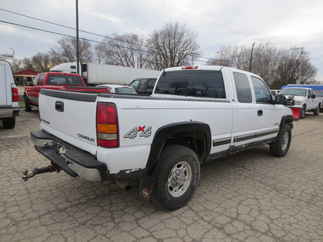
27	174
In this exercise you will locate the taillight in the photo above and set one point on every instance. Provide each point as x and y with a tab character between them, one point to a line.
189	67
107	129
15	94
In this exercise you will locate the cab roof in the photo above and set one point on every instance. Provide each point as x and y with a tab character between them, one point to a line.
209	68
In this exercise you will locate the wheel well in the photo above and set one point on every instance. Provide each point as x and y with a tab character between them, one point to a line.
194	135
286	120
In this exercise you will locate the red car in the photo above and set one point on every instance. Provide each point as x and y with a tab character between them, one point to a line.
57	81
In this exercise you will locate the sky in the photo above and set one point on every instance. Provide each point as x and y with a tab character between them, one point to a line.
217	23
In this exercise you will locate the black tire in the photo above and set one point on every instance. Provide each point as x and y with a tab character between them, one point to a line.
303	111
171	157
27	104
316	112
278	147
9	123
321	109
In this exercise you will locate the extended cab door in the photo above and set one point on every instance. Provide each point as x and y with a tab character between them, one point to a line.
269	116
254	117
245	114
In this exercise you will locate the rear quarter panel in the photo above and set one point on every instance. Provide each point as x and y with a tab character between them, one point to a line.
152	114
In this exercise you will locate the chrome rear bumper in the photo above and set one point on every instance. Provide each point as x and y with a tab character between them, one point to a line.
68	158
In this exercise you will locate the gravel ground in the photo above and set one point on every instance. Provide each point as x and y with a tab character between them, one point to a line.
250	196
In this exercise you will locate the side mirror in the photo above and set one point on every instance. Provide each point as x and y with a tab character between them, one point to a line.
313	96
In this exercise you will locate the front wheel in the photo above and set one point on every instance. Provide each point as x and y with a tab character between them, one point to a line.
303	111
316	112
281	145
178	176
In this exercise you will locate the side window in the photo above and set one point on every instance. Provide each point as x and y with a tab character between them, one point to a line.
135	84
262	92
151	84
243	87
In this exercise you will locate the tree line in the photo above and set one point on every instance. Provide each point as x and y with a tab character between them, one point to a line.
278	66
176	45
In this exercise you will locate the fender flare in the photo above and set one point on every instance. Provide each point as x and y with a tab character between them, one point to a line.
286	120
197	129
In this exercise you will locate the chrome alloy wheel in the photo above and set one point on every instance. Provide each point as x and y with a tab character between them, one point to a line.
179	179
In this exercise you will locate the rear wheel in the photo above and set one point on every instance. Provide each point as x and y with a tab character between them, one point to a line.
178	176
281	145
9	123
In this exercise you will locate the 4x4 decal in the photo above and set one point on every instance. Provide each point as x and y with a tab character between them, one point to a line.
141	131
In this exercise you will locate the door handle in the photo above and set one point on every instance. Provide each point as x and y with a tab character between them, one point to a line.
59	106
260	112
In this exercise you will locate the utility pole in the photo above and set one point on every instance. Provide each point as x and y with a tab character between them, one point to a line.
77	37
251	56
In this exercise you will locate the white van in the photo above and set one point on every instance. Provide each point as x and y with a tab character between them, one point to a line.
9	96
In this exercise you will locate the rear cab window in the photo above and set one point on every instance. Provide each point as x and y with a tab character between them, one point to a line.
64	80
192	83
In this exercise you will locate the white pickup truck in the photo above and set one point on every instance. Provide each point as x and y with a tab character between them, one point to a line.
195	114
304	98
9	96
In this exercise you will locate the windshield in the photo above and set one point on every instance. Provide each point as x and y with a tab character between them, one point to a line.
64	80
318	93
294	92
193	83
125	90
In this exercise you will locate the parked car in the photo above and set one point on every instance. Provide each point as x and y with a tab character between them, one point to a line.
144	86
195	114
56	81
9	96
304	98
119	89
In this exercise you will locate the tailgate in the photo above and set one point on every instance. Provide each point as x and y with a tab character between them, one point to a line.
70	116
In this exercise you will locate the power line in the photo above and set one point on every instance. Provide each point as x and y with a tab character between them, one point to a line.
72	28
59	25
43	30
62	34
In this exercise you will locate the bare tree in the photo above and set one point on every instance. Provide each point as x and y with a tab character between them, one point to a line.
277	66
16	65
66	50
41	62
123	50
173	45
294	67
